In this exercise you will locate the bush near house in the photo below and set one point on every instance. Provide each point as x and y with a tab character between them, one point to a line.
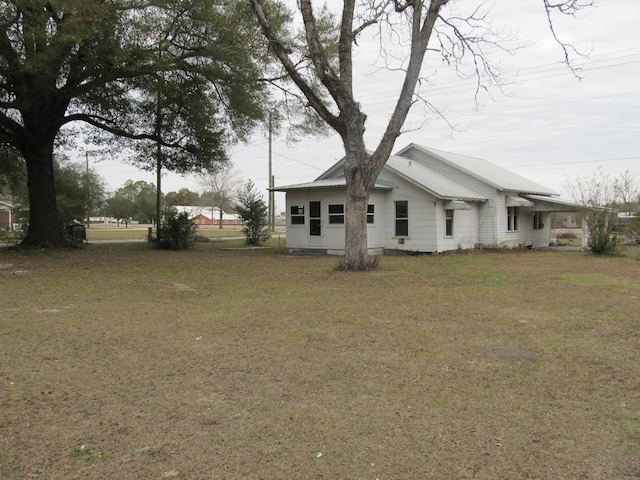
176	231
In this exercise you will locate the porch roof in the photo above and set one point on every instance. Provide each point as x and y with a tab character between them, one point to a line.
327	184
556	204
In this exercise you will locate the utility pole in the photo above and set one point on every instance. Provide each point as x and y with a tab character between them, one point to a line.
271	197
87	192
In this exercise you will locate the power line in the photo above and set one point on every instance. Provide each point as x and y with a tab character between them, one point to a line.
574	162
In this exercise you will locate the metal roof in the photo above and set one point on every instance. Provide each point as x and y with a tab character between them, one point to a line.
556	200
499	177
420	173
433	182
328	183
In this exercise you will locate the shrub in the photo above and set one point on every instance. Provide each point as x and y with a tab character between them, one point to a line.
176	231
253	210
601	241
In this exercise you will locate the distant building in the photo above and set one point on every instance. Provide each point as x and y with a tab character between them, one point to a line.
209	215
6	216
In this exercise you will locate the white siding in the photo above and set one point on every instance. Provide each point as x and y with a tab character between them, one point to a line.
422	217
465	228
332	235
297	235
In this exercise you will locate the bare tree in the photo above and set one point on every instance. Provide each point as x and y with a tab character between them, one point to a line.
602	196
323	71
221	184
627	190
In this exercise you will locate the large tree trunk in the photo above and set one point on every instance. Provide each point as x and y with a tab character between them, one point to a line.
45	229
358	177
356	252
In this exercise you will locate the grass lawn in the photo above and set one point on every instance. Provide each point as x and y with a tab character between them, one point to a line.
140	232
118	361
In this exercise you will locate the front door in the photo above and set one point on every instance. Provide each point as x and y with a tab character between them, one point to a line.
315	224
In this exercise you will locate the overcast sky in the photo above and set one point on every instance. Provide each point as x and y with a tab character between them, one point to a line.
547	126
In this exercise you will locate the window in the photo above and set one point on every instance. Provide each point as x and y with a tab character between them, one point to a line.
370	212
297	214
336	214
512	219
537	221
314	219
448	226
402	218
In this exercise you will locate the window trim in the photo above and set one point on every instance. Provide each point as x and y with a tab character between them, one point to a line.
337	216
512	219
371	211
404	219
538	224
298	215
449	222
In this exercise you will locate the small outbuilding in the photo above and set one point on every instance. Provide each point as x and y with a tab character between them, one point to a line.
426	200
6	216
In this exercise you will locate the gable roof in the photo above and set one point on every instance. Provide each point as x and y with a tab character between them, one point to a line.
498	177
414	163
431	181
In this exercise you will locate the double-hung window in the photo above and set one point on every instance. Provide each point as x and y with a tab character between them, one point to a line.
537	221
370	213
512	219
402	218
336	214
296	213
448	223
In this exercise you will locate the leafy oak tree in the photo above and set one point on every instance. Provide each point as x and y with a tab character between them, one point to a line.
134	200
177	75
321	67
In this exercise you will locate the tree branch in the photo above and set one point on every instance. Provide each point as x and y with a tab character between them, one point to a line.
104	124
570	8
283	55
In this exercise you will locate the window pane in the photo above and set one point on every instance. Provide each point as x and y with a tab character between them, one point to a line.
314	227
314	209
336	219
297	220
297	210
402	209
370	209
402	228
448	223
336	209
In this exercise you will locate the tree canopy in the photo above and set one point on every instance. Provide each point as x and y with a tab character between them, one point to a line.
179	74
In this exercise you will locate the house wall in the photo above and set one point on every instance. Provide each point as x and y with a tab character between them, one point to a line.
331	238
465	228
525	234
423	220
484	225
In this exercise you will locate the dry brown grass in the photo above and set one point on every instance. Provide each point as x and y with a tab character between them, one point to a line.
122	362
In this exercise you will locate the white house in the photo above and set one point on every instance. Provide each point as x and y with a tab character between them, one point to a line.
426	200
